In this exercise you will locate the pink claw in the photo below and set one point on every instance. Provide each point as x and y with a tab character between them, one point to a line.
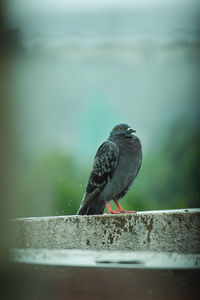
121	209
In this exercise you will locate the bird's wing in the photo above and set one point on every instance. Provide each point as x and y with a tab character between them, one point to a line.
104	165
105	162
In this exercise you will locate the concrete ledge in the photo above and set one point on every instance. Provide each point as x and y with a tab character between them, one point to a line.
171	231
111	259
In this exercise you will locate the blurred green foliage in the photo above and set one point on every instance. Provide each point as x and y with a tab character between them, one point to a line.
53	185
169	178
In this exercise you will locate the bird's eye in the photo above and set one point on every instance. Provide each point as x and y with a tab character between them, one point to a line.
120	128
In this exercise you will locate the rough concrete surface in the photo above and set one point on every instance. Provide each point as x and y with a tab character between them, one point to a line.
171	231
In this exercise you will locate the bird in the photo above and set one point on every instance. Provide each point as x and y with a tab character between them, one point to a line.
116	165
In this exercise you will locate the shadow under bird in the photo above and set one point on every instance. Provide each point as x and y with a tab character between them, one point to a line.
116	165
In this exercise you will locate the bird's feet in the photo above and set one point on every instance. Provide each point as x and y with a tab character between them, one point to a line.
113	212
128	211
119	211
123	210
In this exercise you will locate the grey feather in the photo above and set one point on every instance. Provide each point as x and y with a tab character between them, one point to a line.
105	162
116	165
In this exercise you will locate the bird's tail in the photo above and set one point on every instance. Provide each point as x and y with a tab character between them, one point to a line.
92	209
91	205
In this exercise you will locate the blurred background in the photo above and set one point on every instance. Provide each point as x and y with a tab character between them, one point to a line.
75	70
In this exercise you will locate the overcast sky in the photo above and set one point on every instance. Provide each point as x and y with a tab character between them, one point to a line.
146	87
21	6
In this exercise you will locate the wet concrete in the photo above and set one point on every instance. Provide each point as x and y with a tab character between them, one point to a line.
114	259
168	231
148	255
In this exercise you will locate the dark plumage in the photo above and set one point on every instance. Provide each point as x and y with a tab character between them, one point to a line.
115	167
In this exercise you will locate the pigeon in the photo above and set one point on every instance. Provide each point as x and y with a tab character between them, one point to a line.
116	165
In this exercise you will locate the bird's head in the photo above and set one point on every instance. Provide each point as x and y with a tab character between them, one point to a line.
122	130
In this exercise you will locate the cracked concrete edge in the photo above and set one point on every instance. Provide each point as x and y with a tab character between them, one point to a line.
171	231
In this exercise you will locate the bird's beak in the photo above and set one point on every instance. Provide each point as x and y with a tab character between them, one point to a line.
130	130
